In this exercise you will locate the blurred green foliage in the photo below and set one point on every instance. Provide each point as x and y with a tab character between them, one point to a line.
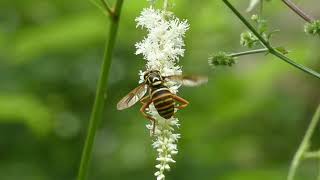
245	124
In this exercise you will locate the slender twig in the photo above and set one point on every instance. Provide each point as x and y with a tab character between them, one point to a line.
101	96
313	154
318	178
165	4
272	50
304	146
256	51
298	11
98	5
261	8
107	7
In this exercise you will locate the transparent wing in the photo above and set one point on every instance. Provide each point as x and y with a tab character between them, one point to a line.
186	80
134	96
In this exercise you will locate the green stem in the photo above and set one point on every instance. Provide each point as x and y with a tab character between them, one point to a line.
98	5
256	51
267	44
261	8
101	96
165	4
298	11
304	145
318	178
311	155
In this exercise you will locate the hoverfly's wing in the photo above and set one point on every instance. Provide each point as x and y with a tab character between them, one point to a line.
188	80
134	96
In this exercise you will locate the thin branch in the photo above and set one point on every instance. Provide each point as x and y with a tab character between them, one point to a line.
303	148
107	7
311	155
318	178
298	11
98	5
165	4
261	8
272	50
256	51
101	95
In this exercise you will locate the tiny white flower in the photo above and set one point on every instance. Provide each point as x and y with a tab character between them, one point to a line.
158	172
160	177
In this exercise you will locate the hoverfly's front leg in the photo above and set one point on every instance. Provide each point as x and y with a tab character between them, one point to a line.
142	110
145	100
184	103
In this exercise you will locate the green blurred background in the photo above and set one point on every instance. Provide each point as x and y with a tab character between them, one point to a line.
245	124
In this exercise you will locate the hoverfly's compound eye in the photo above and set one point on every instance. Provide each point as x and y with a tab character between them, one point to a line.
145	76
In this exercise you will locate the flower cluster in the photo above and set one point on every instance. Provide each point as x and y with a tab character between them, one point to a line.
165	141
162	48
313	28
221	59
248	39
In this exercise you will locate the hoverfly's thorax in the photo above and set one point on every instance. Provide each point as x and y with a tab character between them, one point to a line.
153	78
156	84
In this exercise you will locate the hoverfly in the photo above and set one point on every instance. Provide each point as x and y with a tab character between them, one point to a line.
159	94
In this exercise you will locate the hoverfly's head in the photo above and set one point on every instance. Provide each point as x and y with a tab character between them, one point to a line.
153	78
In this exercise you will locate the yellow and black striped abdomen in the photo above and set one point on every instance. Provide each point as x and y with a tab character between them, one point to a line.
163	102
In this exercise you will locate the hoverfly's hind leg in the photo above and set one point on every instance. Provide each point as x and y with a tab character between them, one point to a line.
142	110
184	103
145	100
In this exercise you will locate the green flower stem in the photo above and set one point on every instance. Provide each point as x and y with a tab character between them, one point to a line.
298	11
165	4
267	44
100	93
304	146
256	51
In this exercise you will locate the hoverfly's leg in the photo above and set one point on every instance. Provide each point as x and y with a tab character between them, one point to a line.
142	110
145	100
184	103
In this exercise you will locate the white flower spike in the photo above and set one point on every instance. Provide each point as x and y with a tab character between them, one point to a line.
162	48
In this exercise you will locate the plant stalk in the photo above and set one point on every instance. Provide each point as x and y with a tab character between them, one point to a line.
165	4
101	95
107	7
318	178
304	146
267	44
256	51
298	11
261	8
311	155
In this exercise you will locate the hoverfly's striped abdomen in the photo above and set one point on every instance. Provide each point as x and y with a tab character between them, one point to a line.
163	102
